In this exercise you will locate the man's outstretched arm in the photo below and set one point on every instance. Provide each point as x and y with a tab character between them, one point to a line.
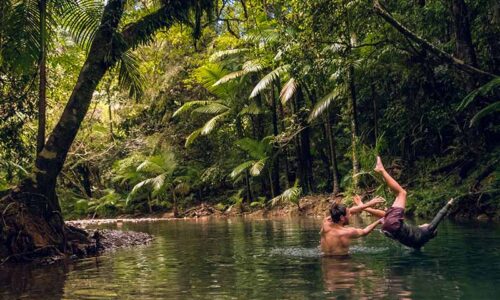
363	206
376	212
358	232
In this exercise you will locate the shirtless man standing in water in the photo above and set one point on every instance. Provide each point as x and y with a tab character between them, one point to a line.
335	236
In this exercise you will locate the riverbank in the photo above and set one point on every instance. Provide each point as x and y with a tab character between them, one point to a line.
310	205
98	242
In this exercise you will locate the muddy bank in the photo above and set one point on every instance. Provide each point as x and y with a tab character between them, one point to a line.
99	241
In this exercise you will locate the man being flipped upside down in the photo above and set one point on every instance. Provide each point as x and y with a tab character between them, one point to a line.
393	219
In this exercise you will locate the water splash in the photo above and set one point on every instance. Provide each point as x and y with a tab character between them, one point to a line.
367	250
296	252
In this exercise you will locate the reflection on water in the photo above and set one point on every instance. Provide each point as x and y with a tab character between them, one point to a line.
277	259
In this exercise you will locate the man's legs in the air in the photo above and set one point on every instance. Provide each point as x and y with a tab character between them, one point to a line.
439	217
400	200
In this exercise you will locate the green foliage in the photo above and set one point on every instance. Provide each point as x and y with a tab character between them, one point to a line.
482	91
291	195
253	103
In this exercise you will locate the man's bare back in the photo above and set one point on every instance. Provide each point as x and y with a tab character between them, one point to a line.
335	236
335	239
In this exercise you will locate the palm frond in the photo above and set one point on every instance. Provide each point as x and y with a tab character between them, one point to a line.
289	195
493	107
257	167
483	90
129	75
256	149
158	182
231	76
268	79
219	55
238	170
190	139
249	67
82	19
138	188
212	123
209	74
190	105
212	108
324	103
252	109
288	90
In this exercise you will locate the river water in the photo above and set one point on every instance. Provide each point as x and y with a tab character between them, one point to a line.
271	259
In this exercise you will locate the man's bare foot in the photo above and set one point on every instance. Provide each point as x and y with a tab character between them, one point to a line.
379	167
357	200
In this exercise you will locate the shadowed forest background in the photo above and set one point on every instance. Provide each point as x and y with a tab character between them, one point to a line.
247	103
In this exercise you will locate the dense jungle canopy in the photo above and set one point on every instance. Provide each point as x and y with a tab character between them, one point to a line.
141	106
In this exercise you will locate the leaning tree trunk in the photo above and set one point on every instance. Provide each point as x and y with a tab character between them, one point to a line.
31	216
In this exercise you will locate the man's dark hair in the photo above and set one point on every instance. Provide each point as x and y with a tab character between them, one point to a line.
337	211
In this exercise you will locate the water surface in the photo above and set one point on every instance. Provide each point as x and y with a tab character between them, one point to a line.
271	259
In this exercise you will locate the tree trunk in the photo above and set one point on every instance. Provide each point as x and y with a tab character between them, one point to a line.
276	189
304	153
354	125
175	210
333	156
32	220
492	38
100	58
42	73
84	171
249	187
110	111
464	48
289	177
375	115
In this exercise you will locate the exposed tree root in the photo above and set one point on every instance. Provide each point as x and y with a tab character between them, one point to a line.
28	234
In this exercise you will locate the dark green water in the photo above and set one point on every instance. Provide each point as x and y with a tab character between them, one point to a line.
271	259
